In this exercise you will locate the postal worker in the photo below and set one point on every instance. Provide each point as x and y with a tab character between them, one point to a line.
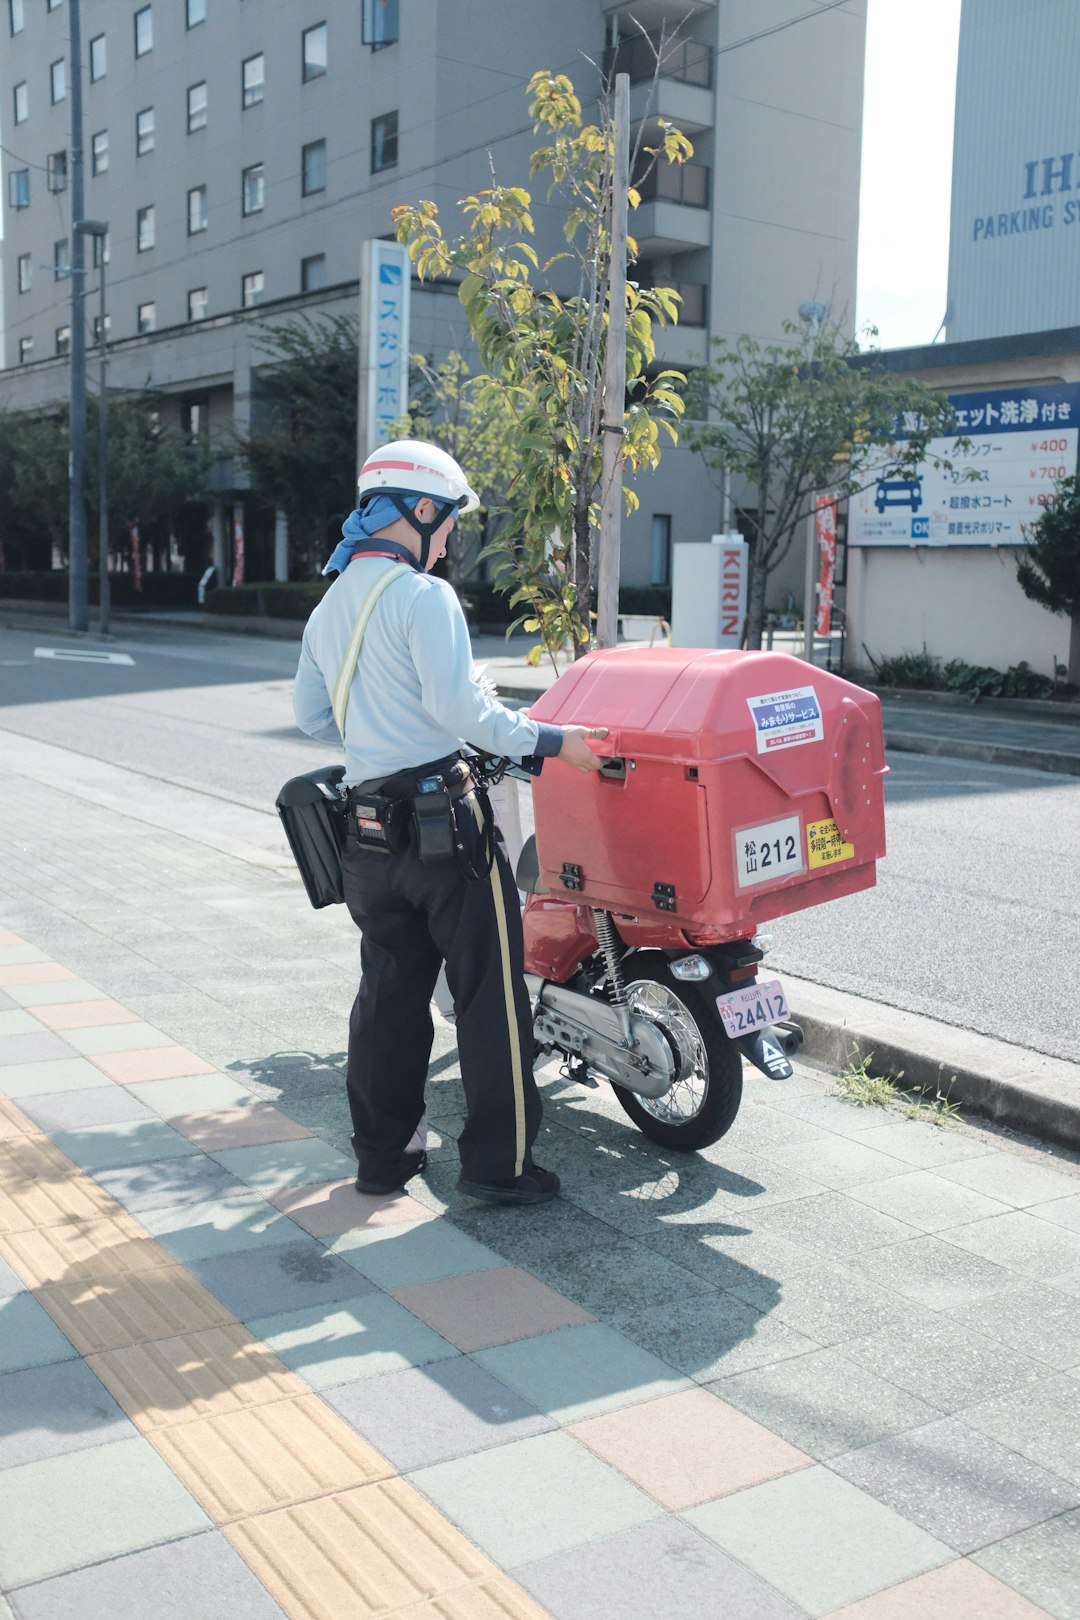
425	879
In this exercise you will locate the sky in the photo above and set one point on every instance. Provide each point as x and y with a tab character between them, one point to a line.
906	168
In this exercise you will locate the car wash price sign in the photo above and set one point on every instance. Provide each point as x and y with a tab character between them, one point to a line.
1022	442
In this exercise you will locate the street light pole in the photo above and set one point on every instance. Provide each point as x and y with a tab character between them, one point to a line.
78	593
99	230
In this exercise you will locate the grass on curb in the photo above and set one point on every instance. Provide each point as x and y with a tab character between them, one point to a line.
859	1085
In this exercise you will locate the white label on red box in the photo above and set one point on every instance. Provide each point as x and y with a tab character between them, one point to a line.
769	851
786	719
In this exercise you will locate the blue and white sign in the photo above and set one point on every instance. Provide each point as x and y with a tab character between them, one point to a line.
384	289
1023	441
786	719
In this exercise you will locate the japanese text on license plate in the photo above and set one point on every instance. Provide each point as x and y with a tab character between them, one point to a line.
771	850
743	1011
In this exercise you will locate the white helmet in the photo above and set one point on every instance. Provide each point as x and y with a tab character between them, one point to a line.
410	467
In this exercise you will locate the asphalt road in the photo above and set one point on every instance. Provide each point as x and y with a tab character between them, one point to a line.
975	918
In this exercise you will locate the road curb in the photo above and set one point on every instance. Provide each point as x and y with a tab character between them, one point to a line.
1034	1095
1032	759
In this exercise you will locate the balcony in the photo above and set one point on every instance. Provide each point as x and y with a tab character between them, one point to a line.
693	295
685	60
685	183
687	106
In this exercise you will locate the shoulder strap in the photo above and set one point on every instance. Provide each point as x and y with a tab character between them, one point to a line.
339	701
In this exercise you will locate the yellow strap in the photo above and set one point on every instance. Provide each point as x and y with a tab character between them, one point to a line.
340	700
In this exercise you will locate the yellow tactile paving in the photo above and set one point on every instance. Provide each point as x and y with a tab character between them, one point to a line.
194	1375
268	1457
83	1250
154	1304
243	1433
359	1554
13	1122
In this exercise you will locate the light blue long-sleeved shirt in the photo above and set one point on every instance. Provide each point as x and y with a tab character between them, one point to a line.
414	696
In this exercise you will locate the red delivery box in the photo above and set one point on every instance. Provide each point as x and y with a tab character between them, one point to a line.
742	786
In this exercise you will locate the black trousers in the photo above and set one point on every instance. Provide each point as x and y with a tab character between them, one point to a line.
413	917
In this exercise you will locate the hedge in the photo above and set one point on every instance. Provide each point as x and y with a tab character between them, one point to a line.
484	605
51	585
291	599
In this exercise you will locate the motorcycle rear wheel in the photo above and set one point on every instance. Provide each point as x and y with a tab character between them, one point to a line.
703	1100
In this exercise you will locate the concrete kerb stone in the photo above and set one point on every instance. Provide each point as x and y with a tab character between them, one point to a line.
1024	1091
1032	759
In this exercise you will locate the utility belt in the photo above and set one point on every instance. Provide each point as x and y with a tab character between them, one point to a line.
436	806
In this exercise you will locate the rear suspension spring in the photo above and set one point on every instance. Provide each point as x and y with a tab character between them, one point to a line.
609	944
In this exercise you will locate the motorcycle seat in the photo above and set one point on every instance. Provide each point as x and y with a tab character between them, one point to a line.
527	875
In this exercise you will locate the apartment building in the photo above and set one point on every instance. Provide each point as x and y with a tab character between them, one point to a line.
241	152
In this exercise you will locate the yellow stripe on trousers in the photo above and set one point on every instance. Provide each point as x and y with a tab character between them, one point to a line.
516	1067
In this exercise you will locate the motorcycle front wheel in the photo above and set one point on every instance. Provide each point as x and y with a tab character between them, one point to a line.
701	1104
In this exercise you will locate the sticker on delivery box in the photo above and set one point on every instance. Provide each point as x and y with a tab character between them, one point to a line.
786	719
824	844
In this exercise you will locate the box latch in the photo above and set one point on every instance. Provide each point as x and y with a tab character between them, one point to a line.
571	876
663	896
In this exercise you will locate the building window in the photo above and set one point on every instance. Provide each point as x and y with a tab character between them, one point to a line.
63	340
57	80
196	210
147	317
99	250
16	20
196	107
144	229
97	328
51	5
144	31
314	52
252	289
144	132
252	76
313	273
195	418
196	304
380	24
97	58
56	171
384	142
196	12
254	189
313	168
99	152
22	103
26	351
19	188
61	258
26	272
661	548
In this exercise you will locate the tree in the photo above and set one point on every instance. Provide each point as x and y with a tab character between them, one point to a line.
33	487
301	449
813	415
1048	569
543	352
446	409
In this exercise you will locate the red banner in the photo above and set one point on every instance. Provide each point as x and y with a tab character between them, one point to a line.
825	523
238	546
136	556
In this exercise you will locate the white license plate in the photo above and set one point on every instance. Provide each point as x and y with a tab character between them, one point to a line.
768	852
743	1011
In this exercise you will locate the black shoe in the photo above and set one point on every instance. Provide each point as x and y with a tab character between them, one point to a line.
411	1165
533	1186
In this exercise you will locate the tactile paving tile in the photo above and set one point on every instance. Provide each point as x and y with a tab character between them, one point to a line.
498	1599
268	1457
368	1552
194	1375
39	1187
13	1122
154	1304
88	1250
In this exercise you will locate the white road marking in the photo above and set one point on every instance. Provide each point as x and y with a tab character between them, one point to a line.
83	655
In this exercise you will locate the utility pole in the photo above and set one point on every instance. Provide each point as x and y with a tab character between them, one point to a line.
78	592
607	596
99	230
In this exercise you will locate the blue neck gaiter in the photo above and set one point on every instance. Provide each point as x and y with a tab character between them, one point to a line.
361	526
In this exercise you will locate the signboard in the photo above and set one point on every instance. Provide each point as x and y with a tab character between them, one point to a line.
732	588
238	545
825	526
384	299
1023	441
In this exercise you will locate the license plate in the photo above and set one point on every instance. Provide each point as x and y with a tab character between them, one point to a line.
768	852
743	1011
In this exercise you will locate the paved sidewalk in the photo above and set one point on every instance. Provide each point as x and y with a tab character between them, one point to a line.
829	1367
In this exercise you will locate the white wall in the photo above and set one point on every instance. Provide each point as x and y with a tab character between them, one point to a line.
956	603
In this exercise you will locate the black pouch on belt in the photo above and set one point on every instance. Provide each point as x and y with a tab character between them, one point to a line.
381	822
433	818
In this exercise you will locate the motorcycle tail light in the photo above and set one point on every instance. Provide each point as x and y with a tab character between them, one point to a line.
691	969
738	974
764	943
